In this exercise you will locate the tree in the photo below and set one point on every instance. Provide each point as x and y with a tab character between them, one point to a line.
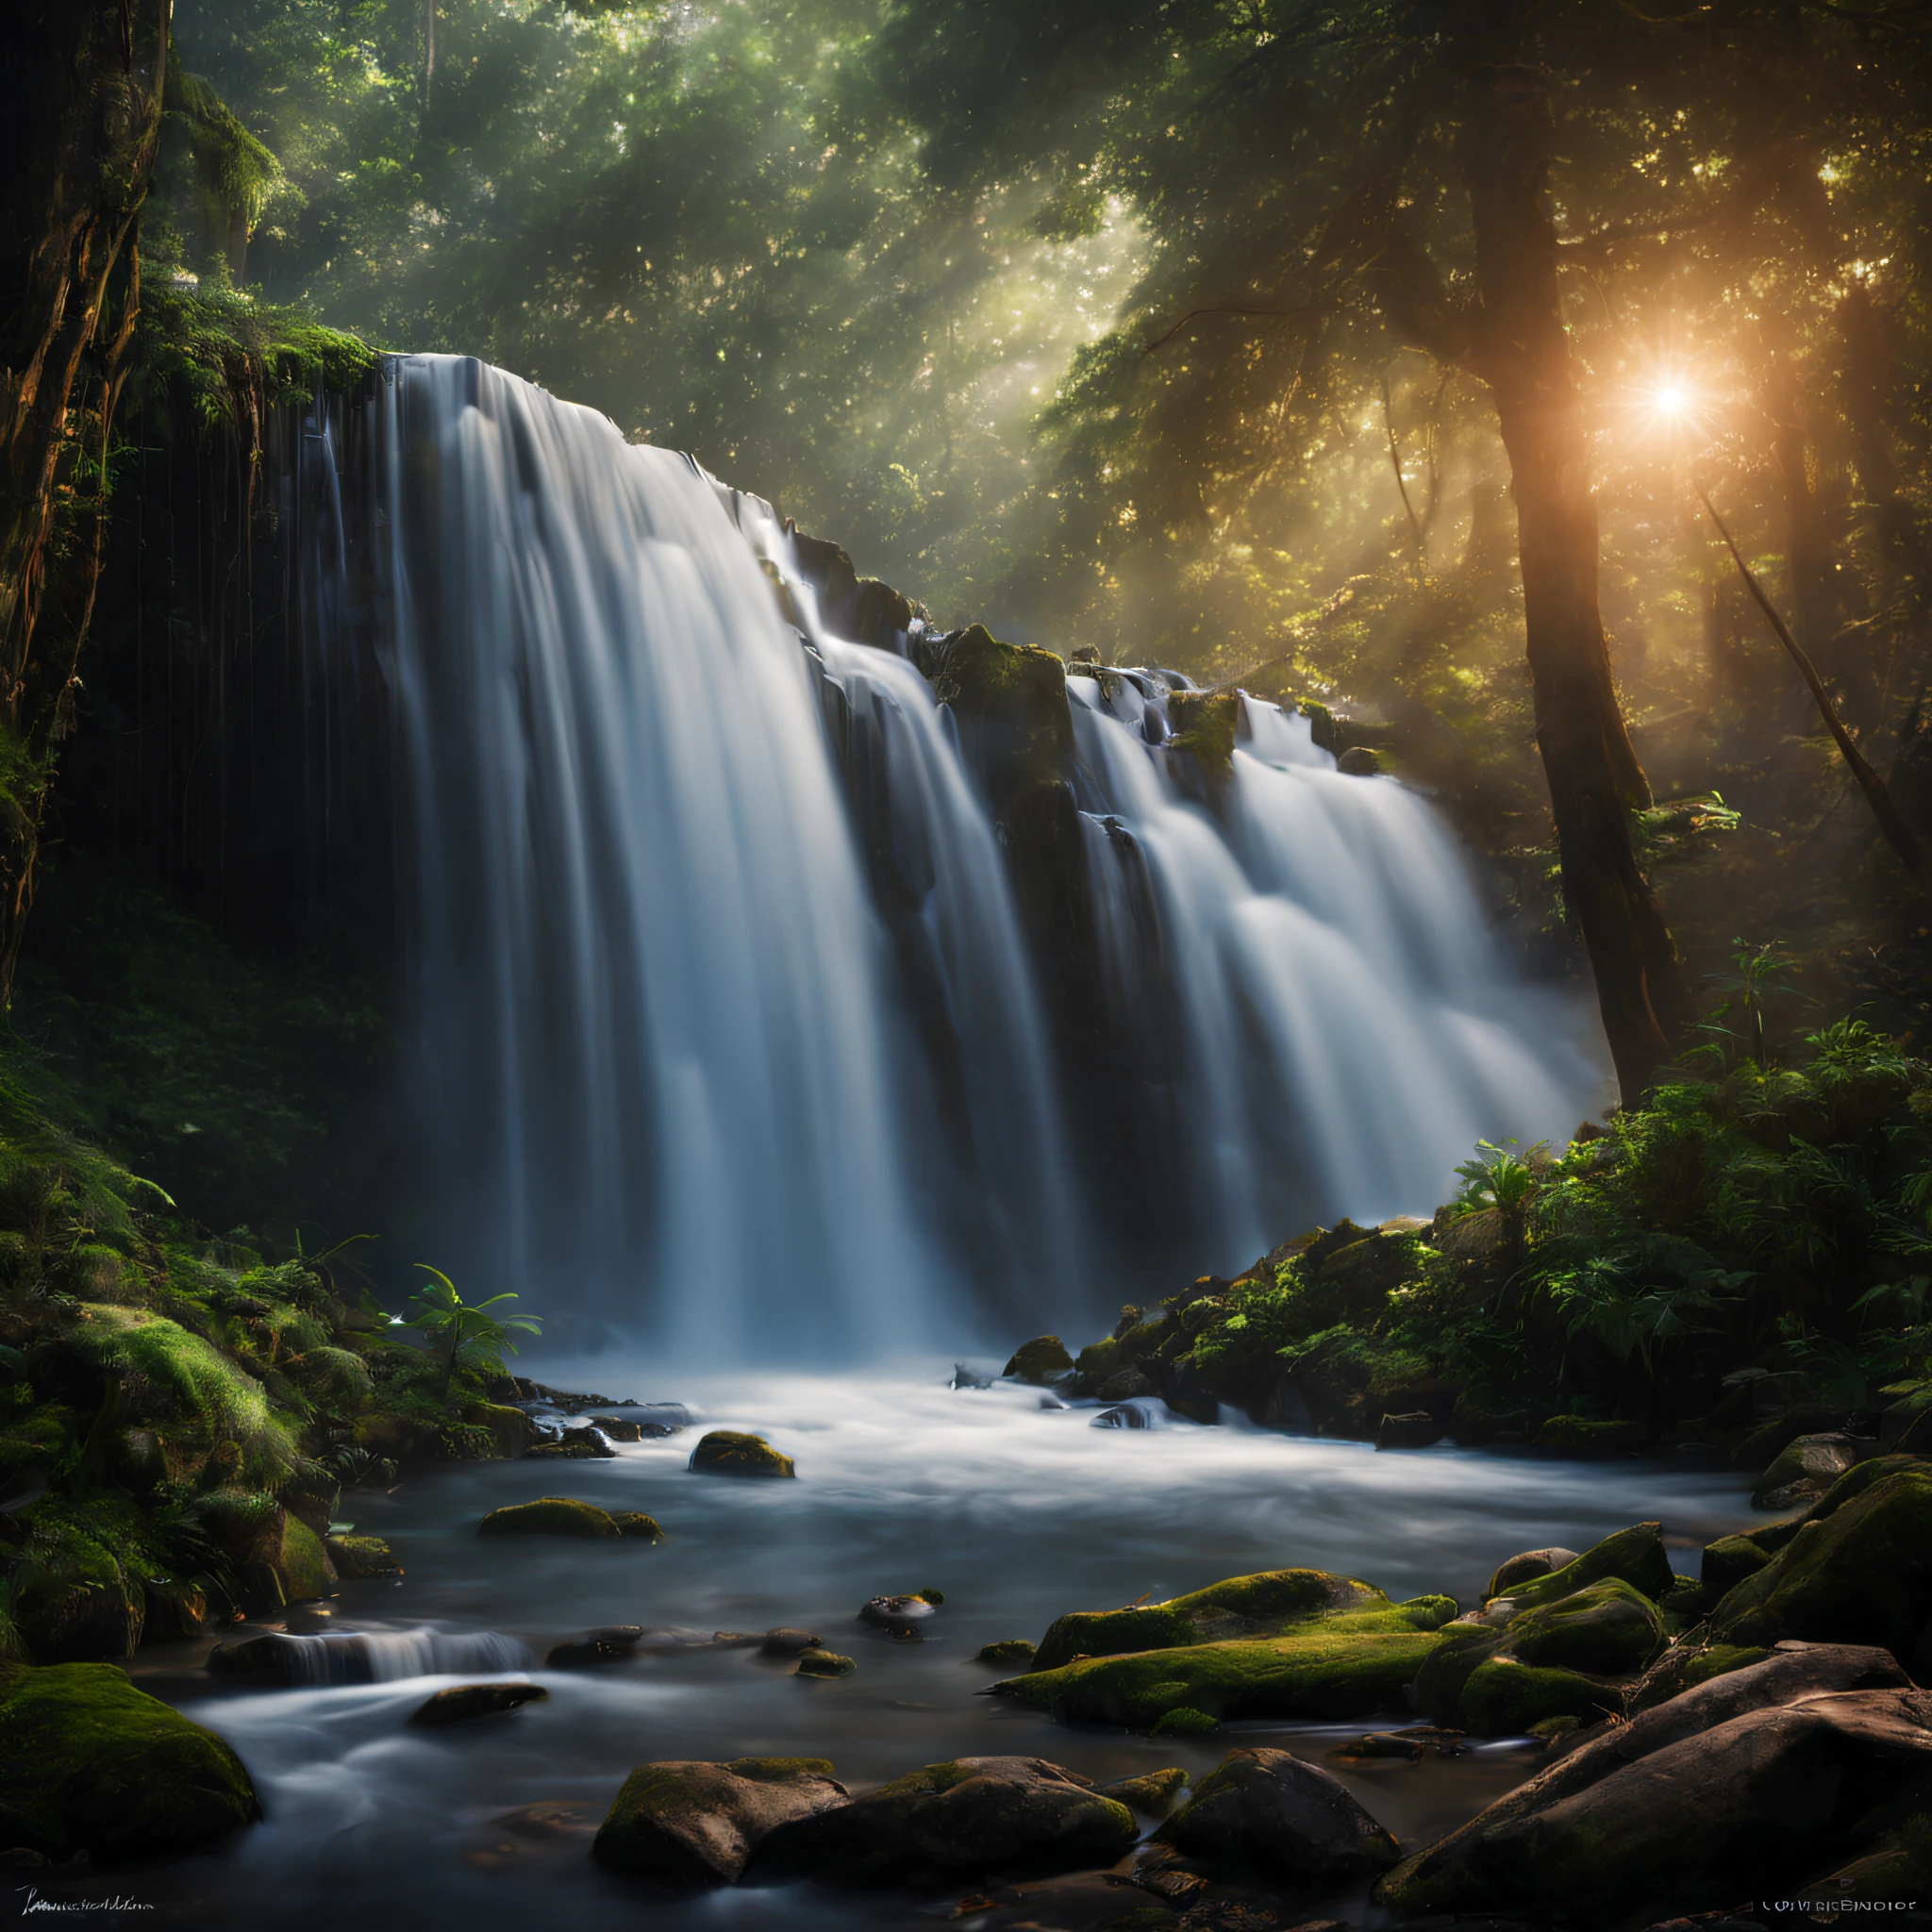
461	1331
1327	186
83	95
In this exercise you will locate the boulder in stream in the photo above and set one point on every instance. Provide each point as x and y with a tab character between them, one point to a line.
1271	1808
550	1516
1042	1361
90	1764
1153	1792
734	1451
362	1556
1805	1468
786	1642
462	1702
949	1820
609	1644
1524	1568
691	1824
902	1616
825	1663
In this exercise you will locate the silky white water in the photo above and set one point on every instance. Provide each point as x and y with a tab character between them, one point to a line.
725	1025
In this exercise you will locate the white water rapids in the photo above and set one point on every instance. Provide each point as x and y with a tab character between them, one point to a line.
673	1072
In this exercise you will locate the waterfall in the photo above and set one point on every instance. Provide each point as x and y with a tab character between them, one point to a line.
726	1027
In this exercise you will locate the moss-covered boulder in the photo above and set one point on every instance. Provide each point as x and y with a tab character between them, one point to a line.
362	1556
735	1451
1263	1605
1009	702
1804	1470
1205	725
1007	1651
1862	1574
74	1601
1271	1808
1154	1794
1040	1361
462	1702
1344	1665
296	1554
1636	1554
825	1663
1608	1629
510	1429
549	1516
1526	1566
967	1817
690	1825
635	1523
89	1763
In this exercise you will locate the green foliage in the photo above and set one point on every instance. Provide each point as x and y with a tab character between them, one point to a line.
464	1332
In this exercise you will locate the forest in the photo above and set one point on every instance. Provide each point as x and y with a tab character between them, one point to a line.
1143	788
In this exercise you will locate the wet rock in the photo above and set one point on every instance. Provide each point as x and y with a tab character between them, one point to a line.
898	1614
586	1437
362	1556
1126	1386
1607	1631
1525	1568
786	1642
1805	1470
964	1378
1448	1871
734	1451
618	1428
89	1764
946	1820
1416	1430
825	1663
1008	1650
613	1643
1411	1745
1358	762
1271	1808
549	1516
1153	1792
511	1429
461	1702
1636	1554
271	1660
1760	1805
1042	1361
691	1824
1264	1604
1862	1574
1124	1418
1340	1664
634	1523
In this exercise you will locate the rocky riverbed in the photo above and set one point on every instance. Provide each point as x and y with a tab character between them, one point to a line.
1272	1681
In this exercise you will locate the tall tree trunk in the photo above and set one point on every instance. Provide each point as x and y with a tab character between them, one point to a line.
1521	349
83	99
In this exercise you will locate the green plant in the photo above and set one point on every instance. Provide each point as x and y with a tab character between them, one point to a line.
461	1331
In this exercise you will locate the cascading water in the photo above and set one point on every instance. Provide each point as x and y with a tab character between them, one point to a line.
730	1027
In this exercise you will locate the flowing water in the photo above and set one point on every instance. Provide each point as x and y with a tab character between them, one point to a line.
727	1032
1016	1511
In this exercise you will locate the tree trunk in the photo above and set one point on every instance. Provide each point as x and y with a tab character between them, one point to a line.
78	145
1519	345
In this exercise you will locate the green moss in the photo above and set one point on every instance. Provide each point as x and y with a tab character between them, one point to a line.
1319	1671
1008	1650
1608	1629
549	1516
511	1430
780	1769
1184	1722
1862	1574
825	1663
732	1451
1504	1698
362	1556
70	1598
1040	1359
1277	1598
88	1763
635	1523
1636	1554
1203	729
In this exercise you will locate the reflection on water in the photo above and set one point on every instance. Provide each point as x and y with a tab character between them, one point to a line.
1015	1511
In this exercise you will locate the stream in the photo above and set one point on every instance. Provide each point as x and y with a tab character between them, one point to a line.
1015	1509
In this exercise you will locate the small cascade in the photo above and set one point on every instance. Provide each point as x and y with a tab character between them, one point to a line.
387	1657
764	1006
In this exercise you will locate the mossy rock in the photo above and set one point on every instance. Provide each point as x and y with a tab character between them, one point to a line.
1525	1567
1154	1794
89	1763
362	1556
462	1702
825	1663
510	1429
1636	1554
1862	1574
1010	704
1040	1361
74	1602
1684	1666
549	1516
1008	1650
733	1451
1328	1667
1730	1559
1185	1723
296	1555
1235	1606
690	1825
1804	1467
1605	1630
634	1523
1205	724
1505	1698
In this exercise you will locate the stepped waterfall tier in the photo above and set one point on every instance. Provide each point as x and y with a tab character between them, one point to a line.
778	994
